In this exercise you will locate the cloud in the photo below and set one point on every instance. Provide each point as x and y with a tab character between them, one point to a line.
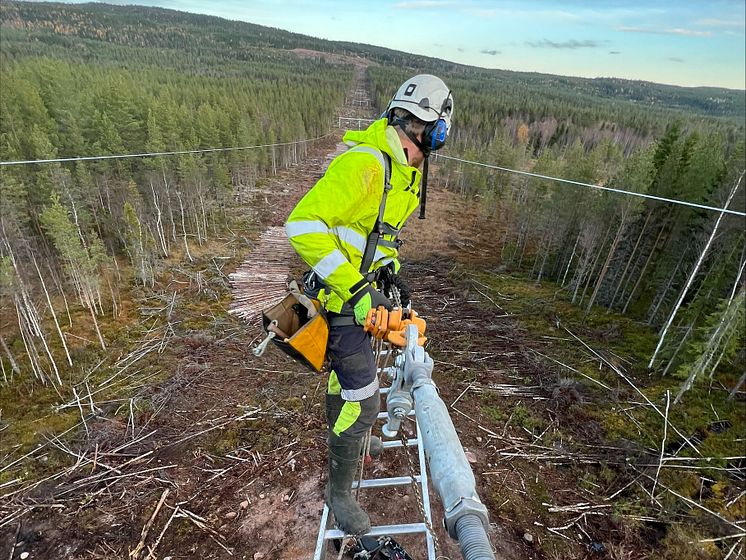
460	49
420	4
490	52
615	52
670	31
571	44
675	59
711	22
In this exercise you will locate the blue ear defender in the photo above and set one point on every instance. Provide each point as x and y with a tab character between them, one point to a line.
435	134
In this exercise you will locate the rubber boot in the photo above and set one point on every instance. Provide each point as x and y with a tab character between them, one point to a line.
344	454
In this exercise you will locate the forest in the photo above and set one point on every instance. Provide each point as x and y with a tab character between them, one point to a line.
81	241
623	253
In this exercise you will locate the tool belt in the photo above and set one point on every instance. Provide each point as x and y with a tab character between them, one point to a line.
298	326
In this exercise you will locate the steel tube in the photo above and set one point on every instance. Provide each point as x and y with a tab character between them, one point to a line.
451	474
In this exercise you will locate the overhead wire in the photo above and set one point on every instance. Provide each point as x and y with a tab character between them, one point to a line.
437	156
155	154
592	186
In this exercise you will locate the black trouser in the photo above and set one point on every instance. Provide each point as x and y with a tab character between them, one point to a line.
353	399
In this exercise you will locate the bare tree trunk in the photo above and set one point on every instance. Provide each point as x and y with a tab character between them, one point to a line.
642	272
28	314
738	386
629	260
51	309
183	227
726	318
580	273
536	258
692	275
90	303
199	216
662	297
28	341
159	222
572	255
202	210
718	340
592	271
170	207
605	268
678	348
543	263
524	242
13	364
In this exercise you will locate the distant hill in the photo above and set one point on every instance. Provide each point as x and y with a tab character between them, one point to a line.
138	26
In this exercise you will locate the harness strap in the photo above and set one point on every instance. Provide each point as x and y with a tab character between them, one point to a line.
389	230
393	244
380	226
341	320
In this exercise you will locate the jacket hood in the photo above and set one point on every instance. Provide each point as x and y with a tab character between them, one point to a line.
380	135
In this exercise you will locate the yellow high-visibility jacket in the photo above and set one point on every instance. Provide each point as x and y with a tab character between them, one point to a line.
330	225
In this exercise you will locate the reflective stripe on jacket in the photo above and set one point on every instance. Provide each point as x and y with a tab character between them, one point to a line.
330	225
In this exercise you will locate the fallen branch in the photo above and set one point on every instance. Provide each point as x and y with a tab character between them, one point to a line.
146	528
151	549
663	443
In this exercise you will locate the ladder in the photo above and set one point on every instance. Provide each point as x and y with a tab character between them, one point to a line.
326	534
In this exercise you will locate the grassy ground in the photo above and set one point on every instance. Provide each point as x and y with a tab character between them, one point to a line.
622	420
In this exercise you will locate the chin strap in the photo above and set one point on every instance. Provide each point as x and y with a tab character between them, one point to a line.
423	189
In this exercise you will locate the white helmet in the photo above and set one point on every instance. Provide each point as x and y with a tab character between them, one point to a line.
429	99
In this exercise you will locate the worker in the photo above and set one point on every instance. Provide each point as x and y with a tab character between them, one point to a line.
362	202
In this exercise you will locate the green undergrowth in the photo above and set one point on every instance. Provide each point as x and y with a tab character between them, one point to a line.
705	417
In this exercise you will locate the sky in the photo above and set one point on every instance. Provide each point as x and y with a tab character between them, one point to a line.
679	42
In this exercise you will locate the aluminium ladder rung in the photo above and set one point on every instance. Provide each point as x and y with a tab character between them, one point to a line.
414	442
384	482
380	530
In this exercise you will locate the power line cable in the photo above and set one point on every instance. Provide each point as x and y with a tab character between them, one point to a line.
599	187
461	160
154	154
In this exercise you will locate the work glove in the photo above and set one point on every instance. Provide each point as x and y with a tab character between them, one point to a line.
417	372
364	300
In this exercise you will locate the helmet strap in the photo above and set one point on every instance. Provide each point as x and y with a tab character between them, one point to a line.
423	189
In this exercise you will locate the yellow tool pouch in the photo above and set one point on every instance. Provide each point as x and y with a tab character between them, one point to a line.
298	326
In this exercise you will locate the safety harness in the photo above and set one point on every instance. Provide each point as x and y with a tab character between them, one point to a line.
380	228
298	325
313	284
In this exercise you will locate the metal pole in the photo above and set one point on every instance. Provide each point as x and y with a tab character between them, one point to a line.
466	517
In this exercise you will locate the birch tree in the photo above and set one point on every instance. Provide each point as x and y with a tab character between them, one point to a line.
81	260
